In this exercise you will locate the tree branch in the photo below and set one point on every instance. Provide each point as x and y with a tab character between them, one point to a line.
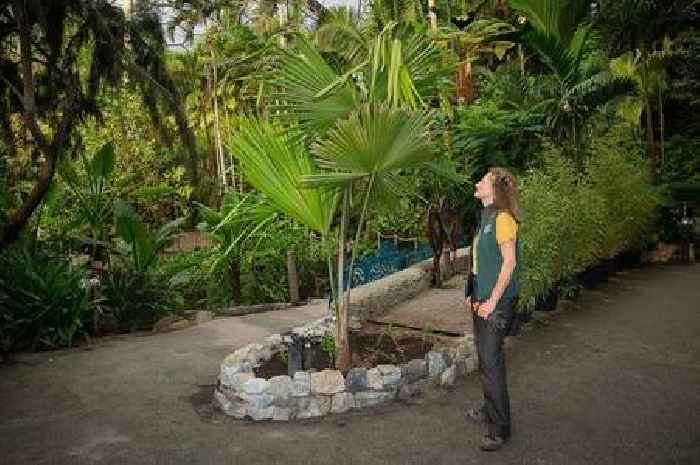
29	98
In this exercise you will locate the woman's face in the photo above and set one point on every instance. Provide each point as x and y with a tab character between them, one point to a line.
484	188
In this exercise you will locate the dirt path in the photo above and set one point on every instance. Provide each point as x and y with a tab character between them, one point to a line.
611	380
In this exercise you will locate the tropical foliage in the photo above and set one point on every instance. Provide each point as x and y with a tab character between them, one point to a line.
276	128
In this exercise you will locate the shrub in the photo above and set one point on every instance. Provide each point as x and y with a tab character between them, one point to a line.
620	174
540	236
135	299
189	275
44	302
573	219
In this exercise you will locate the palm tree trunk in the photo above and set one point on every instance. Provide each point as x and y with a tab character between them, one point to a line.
217	125
343	356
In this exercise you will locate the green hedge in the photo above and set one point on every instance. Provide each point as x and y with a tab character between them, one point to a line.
577	216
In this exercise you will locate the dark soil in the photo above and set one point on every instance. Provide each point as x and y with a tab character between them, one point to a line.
371	346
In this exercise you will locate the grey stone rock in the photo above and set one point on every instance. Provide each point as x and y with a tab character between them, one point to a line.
301	384
449	357
327	382
342	402
436	363
203	316
255	386
374	379
313	406
230	407
258	414
370	398
274	341
391	375
281	388
263	354
240	360
236	381
447	378
257	401
356	380
414	370
282	413
471	364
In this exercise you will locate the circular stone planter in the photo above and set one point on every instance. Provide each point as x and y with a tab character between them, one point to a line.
310	394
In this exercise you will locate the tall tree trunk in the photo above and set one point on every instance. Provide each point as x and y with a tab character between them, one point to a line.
292	277
12	229
51	150
217	125
343	355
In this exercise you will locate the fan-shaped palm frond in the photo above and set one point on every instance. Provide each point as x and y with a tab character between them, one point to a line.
311	91
406	68
343	33
273	161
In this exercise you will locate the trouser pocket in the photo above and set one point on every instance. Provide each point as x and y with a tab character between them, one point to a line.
501	318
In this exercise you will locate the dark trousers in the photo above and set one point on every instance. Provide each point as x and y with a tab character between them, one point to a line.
490	334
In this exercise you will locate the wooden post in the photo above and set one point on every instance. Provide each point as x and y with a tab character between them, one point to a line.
292	277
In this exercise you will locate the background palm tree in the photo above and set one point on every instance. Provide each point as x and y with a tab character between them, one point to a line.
581	84
648	71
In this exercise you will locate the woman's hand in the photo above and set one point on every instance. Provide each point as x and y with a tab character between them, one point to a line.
485	309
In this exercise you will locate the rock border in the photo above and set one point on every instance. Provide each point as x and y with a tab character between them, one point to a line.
311	394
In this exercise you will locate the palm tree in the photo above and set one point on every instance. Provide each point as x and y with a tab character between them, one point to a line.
647	70
91	193
241	220
358	158
558	37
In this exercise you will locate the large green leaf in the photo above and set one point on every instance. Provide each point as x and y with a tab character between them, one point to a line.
273	161
101	167
342	33
131	228
554	18
407	69
373	144
303	89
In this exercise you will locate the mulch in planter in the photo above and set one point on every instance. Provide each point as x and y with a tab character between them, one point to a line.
371	346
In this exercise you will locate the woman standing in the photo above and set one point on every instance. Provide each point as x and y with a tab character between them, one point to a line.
495	265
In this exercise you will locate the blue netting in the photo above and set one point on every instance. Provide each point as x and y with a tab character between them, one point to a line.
390	258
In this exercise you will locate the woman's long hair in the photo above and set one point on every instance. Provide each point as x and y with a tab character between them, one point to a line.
505	189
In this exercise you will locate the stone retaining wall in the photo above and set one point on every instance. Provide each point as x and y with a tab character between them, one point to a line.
317	393
373	299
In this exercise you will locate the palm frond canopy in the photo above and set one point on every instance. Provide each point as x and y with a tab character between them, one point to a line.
375	143
274	160
343	33
310	91
407	68
554	18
